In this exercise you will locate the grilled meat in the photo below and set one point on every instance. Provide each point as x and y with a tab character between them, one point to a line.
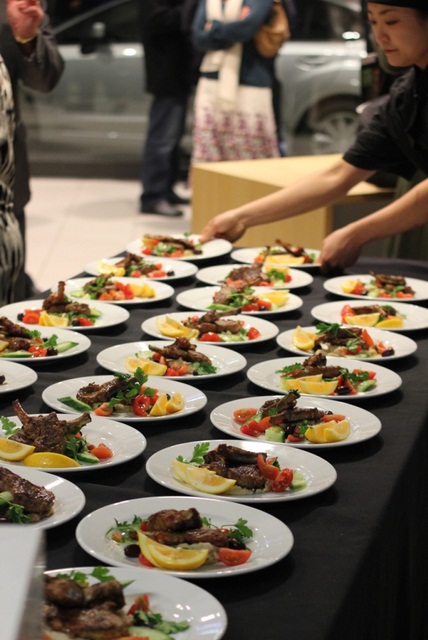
177	243
226	293
216	537
252	275
36	501
46	433
10	329
236	464
338	336
174	520
93	613
291	249
384	310
390	282
215	322
181	349
94	393
59	303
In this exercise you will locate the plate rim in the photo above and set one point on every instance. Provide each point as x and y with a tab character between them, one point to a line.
9	365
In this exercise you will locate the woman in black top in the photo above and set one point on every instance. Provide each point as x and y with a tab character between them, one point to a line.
396	140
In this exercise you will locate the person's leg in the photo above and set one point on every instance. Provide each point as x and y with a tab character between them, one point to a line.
160	154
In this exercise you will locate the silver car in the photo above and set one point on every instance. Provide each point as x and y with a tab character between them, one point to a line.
94	122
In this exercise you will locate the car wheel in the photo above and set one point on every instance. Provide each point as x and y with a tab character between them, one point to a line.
333	127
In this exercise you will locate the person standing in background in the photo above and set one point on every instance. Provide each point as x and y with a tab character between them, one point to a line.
169	64
233	115
31	56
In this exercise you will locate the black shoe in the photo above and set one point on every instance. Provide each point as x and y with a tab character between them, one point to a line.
174	198
161	208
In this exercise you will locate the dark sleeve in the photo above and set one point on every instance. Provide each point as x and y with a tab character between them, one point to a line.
375	147
160	17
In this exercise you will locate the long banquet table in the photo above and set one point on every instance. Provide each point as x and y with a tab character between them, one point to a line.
359	564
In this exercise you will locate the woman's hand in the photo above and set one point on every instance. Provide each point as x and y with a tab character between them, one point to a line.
24	17
226	225
340	249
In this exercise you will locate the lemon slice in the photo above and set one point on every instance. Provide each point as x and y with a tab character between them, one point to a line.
3	345
179	469
49	320
11	450
295	384
302	339
390	323
143	290
174	329
349	285
172	558
159	408
175	403
286	258
362	319
206	481
279	298
278	263
319	388
106	269
132	363
315	433
48	459
337	431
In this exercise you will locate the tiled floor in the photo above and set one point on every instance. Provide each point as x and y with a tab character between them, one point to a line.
71	222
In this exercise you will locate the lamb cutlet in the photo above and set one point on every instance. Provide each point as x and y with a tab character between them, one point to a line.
94	612
174	527
181	349
59	303
176	243
390	282
286	414
17	336
94	393
251	275
132	260
314	365
36	501
383	310
215	322
236	464
46	433
293	250
339	336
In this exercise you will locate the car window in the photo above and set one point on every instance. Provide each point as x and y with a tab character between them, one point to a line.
121	26
326	21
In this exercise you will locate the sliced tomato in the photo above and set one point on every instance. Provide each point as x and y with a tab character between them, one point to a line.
157	273
347	310
367	338
143	560
251	428
210	337
135	274
268	470
146	251
337	417
402	294
102	451
253	333
37	352
141	603
371	374
244	414
103	410
31	317
233	557
251	306
141	405
85	322
264	305
282	480
264	423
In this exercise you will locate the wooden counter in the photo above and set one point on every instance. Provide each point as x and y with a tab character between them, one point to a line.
219	186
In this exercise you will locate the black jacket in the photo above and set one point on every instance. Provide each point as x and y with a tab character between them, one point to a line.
168	54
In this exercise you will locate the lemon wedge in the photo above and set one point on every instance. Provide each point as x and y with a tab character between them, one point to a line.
337	431
179	469
174	329
349	285
159	408
175	403
106	269
15	451
132	363
278	263
284	258
278	298
318	388
142	290
206	481
49	320
363	319
315	433
49	460
172	558
303	340
3	345
390	323
295	384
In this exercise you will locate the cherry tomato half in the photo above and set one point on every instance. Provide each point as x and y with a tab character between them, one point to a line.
244	414
233	557
282	480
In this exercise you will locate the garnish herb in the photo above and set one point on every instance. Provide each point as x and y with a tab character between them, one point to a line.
198	454
14	512
237	531
9	427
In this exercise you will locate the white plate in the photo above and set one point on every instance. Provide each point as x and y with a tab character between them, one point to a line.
267	329
125	442
319	473
18	376
414	317
194	399
63	335
226	360
334	285
69	499
172	598
216	275
163	291
211	249
272	540
402	345
248	255
263	374
181	268
111	315
201	297
364	425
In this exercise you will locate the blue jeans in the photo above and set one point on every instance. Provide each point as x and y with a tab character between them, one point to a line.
161	151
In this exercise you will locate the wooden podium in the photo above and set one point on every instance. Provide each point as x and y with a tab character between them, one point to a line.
219	186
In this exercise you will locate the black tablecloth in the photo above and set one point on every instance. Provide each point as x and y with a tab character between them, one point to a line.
359	565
